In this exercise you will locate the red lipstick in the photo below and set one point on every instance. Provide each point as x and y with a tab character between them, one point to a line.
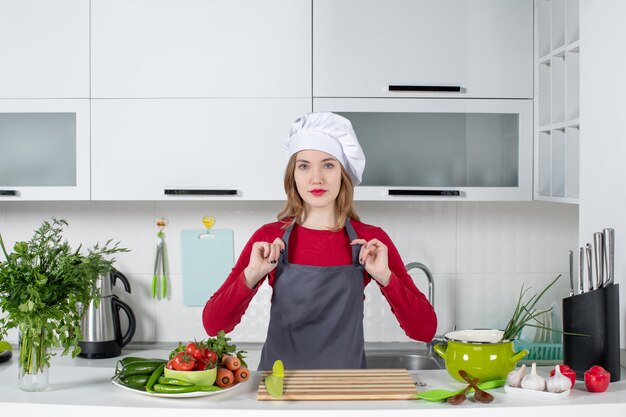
318	192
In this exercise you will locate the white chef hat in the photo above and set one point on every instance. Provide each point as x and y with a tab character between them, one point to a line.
330	133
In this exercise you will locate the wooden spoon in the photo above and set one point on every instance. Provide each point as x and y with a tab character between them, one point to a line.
460	397
479	395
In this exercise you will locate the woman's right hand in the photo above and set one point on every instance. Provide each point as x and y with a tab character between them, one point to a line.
263	260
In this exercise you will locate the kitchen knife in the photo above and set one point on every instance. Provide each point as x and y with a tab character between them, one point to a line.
609	254
581	270
588	256
598	245
571	273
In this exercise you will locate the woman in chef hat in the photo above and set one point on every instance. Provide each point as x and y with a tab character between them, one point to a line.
318	258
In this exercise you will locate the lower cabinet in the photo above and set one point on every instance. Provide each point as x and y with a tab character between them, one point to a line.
191	149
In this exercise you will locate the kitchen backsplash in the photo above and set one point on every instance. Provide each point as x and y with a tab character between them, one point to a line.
480	255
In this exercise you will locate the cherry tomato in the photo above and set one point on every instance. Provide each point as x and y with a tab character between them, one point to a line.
597	379
210	355
568	372
201	365
170	364
199	354
191	349
184	362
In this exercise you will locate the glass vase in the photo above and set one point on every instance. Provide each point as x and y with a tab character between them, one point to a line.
32	362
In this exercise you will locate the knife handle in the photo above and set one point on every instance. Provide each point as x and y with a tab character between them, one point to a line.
571	273
598	245
588	256
609	255
581	270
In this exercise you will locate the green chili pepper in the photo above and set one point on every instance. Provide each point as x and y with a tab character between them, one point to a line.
177	389
141	368
119	366
135	381
172	381
153	378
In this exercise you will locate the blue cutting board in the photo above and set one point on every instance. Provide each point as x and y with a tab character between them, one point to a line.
206	263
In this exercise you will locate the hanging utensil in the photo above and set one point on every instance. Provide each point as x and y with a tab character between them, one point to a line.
159	278
609	253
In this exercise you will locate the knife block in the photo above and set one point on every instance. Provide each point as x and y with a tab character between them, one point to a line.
596	314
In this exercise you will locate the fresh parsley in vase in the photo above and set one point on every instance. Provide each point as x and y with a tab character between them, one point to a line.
42	282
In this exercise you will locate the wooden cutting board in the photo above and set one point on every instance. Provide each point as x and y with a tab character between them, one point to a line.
343	384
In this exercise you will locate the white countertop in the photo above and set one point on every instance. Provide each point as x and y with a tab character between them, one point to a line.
82	387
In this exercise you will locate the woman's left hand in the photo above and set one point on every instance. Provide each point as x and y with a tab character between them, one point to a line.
373	257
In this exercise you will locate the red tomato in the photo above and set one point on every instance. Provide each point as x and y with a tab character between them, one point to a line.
210	355
201	366
199	354
568	372
184	362
170	364
191	349
597	379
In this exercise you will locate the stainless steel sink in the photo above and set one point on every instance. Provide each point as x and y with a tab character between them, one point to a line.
410	361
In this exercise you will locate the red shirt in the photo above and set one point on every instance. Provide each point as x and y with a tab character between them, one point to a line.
416	316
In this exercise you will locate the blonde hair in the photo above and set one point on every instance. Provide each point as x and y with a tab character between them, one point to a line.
294	210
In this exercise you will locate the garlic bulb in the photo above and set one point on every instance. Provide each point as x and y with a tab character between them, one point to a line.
533	380
514	379
559	382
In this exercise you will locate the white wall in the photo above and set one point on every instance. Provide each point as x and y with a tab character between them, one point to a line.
480	254
602	138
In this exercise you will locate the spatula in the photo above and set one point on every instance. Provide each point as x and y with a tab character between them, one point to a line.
438	395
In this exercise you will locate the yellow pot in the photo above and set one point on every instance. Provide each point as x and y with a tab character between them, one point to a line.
481	353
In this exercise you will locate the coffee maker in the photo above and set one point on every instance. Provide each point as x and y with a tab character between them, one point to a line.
100	325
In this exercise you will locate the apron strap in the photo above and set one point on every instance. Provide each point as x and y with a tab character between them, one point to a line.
356	249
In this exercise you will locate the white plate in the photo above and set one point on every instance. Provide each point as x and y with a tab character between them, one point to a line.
183	395
543	395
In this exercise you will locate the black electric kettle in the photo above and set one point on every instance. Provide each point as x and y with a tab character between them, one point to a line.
101	332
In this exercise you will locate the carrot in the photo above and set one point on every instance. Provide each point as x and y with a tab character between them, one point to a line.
242	374
225	377
231	362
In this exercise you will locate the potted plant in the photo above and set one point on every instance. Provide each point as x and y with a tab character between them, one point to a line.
42	282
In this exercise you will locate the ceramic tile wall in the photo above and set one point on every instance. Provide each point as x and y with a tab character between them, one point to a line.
480	255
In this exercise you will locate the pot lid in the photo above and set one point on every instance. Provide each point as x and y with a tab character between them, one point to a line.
476	336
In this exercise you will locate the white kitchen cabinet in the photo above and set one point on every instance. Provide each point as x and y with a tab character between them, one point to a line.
44	52
423	48
44	145
557	104
200	48
445	150
190	149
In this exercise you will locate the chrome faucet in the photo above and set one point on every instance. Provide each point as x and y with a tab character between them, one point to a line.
431	299
429	275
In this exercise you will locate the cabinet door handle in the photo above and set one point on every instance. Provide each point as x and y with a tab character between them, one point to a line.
9	193
440	193
186	192
435	88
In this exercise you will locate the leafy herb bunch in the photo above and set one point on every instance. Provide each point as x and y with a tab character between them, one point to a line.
526	313
42	283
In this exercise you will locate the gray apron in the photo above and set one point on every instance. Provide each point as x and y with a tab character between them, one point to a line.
316	319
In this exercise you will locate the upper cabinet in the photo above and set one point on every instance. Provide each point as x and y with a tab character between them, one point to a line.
200	48
188	149
454	149
44	146
557	104
44	52
423	48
